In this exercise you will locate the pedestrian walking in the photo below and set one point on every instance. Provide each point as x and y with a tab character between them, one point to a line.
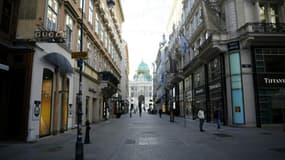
219	118
87	132
131	110
201	117
160	112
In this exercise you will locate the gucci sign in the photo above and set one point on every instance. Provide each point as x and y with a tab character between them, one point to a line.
49	36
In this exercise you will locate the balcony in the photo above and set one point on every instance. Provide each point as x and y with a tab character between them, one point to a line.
262	28
263	34
108	83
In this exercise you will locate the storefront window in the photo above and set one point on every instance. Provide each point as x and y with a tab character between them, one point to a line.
270	81
237	93
272	104
215	87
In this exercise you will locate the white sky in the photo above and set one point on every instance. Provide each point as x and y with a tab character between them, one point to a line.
145	23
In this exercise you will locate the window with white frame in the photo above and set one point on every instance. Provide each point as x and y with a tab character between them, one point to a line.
78	39
95	59
96	23
68	31
82	1
106	40
269	12
52	15
89	50
101	33
91	9
199	16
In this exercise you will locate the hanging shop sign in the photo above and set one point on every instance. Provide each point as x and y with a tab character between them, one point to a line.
49	36
77	55
199	91
233	46
214	86
271	80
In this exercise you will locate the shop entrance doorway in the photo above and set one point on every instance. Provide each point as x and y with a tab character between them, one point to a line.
45	118
14	96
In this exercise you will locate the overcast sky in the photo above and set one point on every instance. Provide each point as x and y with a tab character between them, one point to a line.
145	23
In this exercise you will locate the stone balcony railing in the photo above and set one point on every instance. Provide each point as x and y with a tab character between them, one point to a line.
271	28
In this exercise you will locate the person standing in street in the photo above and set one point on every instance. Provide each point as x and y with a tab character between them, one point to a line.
160	112
219	118
201	117
131	110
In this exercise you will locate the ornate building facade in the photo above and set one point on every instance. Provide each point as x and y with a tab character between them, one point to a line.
225	56
40	65
141	89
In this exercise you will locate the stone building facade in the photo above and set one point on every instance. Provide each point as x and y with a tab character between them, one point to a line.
226	56
141	89
45	76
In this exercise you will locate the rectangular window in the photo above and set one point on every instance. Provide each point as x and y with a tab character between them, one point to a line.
199	16
89	50
273	13
52	14
90	14
78	39
82	1
101	33
269	12
96	24
105	40
68	31
95	59
235	64
262	13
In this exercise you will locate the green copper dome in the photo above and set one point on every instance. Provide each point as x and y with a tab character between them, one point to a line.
143	67
142	73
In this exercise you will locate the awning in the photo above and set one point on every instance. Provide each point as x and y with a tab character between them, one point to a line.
59	61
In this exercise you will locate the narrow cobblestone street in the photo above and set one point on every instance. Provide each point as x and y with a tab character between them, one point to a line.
151	137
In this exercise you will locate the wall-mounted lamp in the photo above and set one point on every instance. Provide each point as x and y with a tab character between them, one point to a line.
110	3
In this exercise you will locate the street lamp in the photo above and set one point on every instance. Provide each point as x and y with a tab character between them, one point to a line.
79	144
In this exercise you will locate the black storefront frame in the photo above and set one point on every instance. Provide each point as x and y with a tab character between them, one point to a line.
200	96
206	91
222	89
256	87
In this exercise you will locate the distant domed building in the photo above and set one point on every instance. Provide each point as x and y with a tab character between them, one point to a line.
142	73
140	89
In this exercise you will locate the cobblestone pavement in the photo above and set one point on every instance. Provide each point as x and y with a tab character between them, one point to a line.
154	138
